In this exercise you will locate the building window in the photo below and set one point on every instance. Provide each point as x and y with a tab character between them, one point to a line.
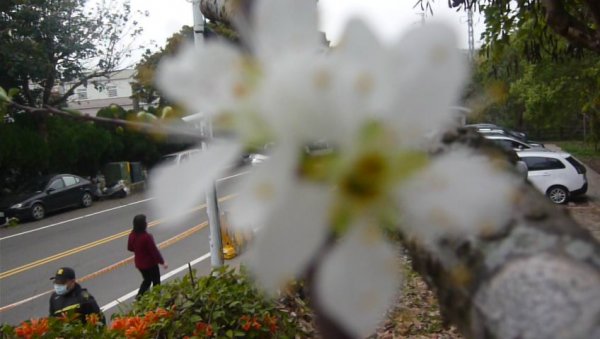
112	91
81	93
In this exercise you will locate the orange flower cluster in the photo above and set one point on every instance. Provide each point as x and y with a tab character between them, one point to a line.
92	319
137	327
33	328
203	330
250	323
271	322
68	317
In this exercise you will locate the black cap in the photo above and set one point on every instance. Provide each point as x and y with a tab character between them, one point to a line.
63	275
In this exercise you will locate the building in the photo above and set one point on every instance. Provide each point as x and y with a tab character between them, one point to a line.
101	92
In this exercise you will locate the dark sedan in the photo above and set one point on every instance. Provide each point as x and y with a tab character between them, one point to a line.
46	194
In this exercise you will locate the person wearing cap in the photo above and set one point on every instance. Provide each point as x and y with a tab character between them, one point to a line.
147	257
69	296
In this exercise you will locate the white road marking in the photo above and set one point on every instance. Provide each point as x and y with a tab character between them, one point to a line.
162	278
233	176
74	219
103	211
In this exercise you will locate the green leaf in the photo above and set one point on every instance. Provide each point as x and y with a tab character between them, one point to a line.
12	92
3	95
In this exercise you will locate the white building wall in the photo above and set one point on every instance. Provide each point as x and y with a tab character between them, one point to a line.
115	89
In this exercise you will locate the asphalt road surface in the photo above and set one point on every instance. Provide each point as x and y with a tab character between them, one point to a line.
93	241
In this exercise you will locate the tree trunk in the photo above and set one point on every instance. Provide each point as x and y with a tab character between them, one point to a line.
224	10
538	279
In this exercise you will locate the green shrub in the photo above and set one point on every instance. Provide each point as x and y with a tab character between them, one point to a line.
224	304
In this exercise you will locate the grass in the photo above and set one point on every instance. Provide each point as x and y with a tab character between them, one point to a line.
579	148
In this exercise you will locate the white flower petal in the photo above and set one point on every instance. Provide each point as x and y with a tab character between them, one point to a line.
358	42
203	78
264	188
425	79
358	281
292	236
177	188
316	105
459	194
284	26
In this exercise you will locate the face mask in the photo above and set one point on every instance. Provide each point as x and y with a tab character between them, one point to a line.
60	289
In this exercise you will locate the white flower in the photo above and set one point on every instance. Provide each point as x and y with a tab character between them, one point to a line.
177	188
292	234
461	194
205	79
262	189
373	103
359	281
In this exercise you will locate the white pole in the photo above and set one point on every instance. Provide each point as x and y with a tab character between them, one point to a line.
212	206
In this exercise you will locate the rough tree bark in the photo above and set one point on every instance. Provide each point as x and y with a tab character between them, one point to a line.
224	10
538	278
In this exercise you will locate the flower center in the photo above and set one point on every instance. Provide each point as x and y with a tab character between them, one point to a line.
366	179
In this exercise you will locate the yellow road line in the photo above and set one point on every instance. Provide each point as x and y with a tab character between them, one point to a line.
87	246
114	266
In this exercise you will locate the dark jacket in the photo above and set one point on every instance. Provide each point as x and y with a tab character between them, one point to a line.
145	251
77	300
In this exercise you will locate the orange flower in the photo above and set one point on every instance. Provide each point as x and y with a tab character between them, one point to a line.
161	312
119	324
136	328
68	317
255	324
271	322
92	318
209	331
246	326
151	317
33	328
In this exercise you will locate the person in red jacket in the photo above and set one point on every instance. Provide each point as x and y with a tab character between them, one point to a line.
146	254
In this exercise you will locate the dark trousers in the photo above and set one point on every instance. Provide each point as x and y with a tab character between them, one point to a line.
151	277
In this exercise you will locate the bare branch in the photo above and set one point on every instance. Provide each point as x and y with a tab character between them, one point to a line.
157	128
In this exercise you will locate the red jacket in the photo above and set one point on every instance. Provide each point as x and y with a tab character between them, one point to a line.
145	252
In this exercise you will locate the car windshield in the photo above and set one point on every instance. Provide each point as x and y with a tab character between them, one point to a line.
34	185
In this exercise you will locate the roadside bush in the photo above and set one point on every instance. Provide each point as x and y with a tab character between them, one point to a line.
224	304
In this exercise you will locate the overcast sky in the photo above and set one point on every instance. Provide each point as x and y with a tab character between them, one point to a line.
387	17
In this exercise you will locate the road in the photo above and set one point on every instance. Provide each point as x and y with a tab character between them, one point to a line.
93	242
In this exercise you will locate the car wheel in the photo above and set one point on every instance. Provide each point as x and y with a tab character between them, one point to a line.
86	200
38	212
558	194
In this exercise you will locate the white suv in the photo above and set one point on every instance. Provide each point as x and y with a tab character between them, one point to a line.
556	174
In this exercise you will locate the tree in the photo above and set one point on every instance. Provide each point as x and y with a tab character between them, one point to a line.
44	43
555	26
143	86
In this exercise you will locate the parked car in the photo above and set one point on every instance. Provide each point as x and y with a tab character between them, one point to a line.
179	157
491	128
558	175
510	143
499	130
45	194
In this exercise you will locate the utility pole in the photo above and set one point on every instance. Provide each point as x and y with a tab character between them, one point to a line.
470	34
212	204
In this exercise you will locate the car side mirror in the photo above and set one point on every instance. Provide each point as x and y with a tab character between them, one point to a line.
50	190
